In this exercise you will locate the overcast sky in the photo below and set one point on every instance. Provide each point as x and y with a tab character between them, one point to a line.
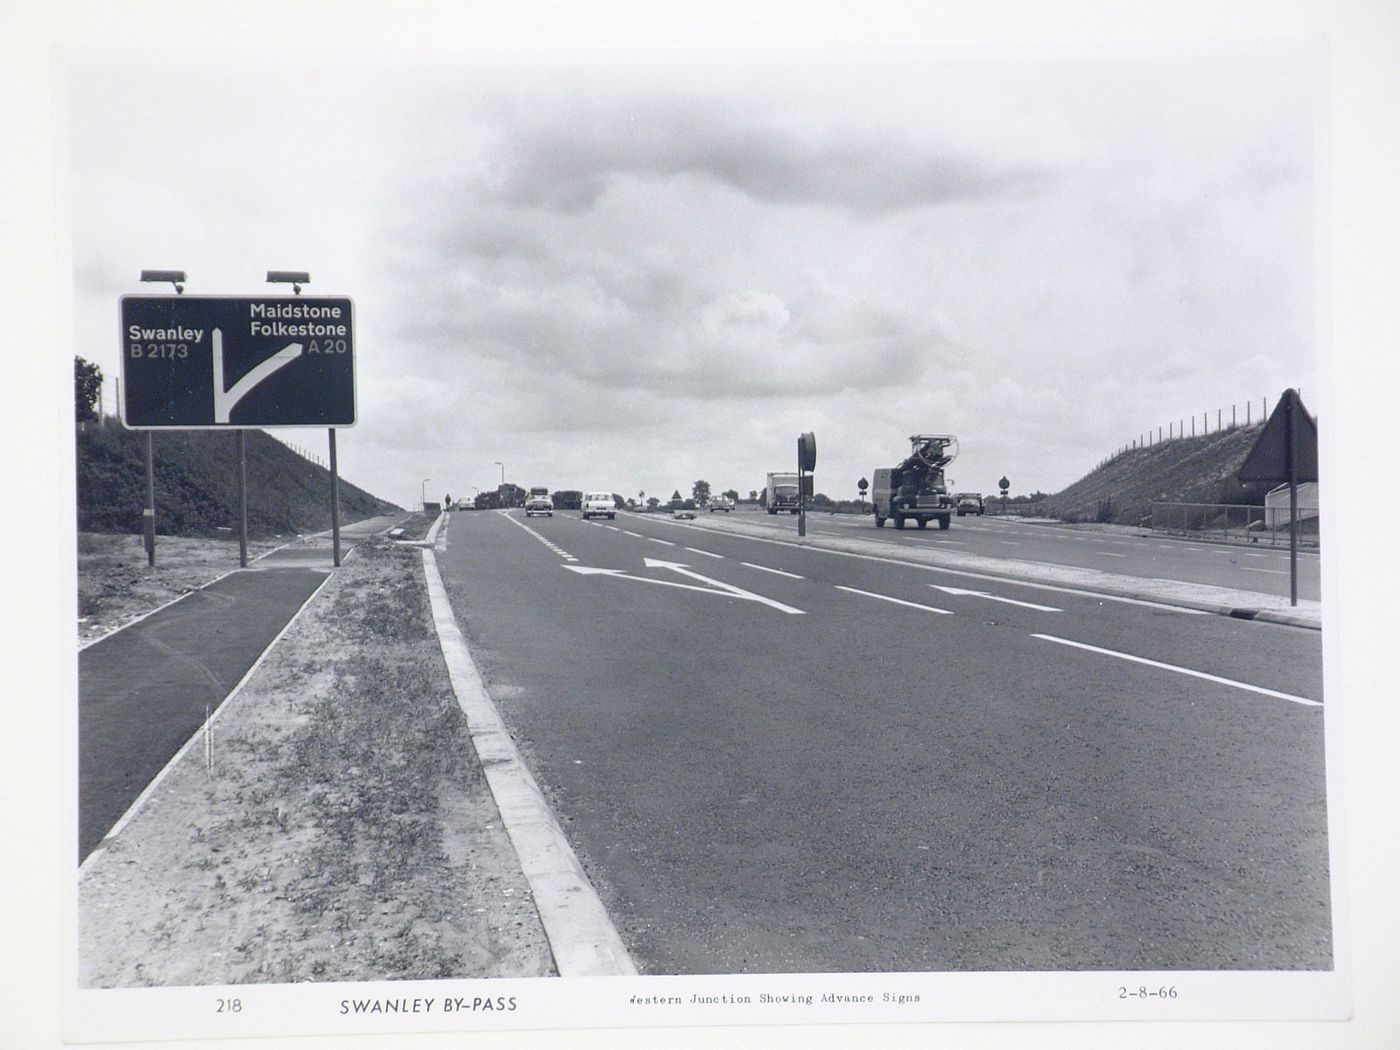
631	276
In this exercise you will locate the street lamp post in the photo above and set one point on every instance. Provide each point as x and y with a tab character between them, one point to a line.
503	471
423	494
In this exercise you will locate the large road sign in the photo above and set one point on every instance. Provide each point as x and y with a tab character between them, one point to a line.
1286	449
216	362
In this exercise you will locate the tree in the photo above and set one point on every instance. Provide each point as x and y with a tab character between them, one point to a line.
700	492
731	494
653	502
753	495
87	389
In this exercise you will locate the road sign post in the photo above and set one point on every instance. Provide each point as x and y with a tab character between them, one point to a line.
242	501
1286	451
148	515
335	504
806	463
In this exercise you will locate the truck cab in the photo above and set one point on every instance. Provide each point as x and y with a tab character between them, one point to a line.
781	493
915	490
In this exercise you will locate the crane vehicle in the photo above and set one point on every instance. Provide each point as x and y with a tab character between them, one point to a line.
915	490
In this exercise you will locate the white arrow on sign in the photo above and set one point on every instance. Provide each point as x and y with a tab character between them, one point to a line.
224	400
994	598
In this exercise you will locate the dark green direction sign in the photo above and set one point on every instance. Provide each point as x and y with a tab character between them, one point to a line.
197	362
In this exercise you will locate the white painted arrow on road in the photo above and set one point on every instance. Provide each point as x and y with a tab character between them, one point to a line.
587	570
738	592
993	598
724	590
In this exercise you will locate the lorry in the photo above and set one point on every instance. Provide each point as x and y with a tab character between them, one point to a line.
780	493
915	490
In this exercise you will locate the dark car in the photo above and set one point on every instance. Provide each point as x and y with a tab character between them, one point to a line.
969	503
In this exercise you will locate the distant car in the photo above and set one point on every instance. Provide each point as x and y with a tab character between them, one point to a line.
723	503
538	503
684	510
970	503
599	504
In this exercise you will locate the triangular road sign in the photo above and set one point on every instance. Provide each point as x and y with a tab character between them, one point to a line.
1289	439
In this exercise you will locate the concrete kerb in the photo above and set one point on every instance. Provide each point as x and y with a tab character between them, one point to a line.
1206	598
581	936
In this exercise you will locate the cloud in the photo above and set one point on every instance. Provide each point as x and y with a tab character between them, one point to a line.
566	159
666	272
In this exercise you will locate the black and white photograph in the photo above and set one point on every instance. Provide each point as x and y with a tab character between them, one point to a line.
747	536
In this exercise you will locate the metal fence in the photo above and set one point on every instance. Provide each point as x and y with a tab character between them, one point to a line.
1214	421
1236	522
994	505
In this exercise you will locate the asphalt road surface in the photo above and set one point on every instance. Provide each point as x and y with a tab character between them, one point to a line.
773	759
1247	567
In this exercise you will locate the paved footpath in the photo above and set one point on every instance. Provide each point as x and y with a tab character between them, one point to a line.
145	690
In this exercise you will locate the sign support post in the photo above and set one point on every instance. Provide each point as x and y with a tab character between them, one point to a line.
806	463
242	501
801	502
1292	501
335	503
1286	452
148	516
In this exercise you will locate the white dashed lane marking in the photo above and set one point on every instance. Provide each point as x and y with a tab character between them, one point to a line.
776	572
548	543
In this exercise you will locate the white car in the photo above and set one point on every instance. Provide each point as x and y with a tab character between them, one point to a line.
599	504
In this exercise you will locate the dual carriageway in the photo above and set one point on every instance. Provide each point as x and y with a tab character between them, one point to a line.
874	750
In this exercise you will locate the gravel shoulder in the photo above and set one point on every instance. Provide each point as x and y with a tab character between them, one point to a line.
334	824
